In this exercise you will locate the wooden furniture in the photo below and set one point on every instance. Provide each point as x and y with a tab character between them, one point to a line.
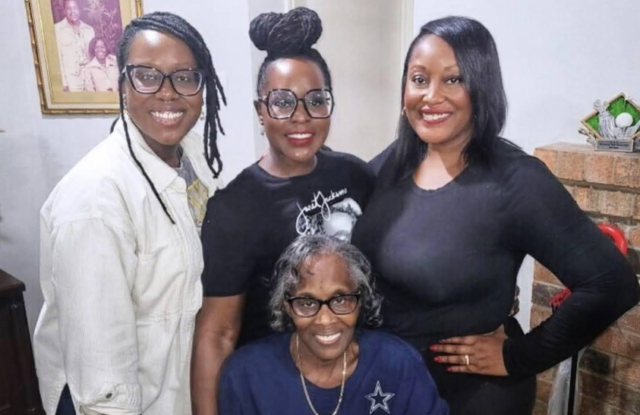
19	394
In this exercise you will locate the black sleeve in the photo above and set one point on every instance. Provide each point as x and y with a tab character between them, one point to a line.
227	245
545	222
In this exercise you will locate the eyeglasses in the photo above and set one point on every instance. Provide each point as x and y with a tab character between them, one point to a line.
282	103
309	306
148	80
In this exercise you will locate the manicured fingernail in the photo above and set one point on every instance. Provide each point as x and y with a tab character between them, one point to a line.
449	369
437	359
433	348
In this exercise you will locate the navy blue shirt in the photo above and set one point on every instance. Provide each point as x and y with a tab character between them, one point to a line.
390	378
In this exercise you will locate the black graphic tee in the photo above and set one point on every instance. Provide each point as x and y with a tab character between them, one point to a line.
250	222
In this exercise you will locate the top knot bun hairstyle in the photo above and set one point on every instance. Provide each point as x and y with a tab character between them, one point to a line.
288	35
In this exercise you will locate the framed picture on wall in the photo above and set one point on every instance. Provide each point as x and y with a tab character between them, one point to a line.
74	49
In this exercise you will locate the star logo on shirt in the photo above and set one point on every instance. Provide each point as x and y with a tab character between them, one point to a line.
379	399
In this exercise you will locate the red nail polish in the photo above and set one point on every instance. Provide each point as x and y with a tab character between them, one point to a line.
433	348
449	369
437	359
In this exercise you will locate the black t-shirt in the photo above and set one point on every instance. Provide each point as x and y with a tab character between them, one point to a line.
448	260
250	222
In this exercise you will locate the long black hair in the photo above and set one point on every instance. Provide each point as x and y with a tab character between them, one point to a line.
288	35
179	28
477	57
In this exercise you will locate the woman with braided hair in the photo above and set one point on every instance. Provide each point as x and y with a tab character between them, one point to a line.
121	253
282	196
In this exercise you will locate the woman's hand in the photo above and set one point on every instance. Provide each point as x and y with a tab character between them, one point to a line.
481	354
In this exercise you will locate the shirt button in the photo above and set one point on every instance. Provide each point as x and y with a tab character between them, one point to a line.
109	395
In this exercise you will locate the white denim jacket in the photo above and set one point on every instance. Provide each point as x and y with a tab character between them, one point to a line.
121	284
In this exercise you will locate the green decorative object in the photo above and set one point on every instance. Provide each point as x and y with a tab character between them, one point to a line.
614	126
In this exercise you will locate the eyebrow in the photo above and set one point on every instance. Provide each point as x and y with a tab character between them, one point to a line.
335	293
446	68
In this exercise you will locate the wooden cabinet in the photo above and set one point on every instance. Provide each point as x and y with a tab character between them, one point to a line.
19	393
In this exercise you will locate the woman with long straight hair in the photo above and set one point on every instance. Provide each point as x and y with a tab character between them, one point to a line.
455	211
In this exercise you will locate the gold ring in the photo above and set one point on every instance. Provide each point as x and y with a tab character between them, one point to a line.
466	359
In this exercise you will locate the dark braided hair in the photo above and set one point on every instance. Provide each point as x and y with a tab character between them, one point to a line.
179	28
288	35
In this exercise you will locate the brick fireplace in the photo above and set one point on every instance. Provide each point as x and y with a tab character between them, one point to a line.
606	186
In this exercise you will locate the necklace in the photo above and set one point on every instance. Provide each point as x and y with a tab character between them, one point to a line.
304	385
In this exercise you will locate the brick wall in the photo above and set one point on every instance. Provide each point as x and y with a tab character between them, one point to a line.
607	187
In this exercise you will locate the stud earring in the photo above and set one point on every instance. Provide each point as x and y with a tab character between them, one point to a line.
203	114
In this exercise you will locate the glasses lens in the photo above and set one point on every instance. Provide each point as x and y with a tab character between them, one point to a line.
146	80
282	104
305	307
343	304
187	82
319	103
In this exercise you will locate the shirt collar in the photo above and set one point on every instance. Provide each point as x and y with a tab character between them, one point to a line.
160	173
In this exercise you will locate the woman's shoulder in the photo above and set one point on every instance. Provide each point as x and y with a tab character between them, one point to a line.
98	183
332	157
93	63
260	354
246	185
385	347
515	166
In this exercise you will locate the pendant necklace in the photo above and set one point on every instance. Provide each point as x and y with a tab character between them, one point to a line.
304	385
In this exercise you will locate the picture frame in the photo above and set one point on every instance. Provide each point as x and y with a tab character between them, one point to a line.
74	45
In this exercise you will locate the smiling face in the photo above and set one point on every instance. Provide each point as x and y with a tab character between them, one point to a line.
163	118
72	11
436	100
325	336
100	50
293	142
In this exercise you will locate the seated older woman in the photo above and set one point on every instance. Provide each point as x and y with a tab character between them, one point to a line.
325	362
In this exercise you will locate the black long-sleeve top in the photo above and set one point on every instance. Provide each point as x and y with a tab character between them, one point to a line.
448	259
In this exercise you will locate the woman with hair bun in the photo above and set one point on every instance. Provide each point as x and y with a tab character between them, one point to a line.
287	193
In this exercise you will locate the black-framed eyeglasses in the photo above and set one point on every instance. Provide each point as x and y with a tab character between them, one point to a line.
149	80
339	304
282	103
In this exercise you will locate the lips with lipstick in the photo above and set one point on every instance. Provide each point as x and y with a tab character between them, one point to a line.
300	138
167	118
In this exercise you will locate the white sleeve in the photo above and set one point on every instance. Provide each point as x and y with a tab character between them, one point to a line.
94	266
63	71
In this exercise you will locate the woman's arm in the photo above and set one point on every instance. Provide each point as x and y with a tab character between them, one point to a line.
545	222
93	269
217	330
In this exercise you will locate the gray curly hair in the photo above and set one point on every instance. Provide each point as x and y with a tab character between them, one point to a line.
287	277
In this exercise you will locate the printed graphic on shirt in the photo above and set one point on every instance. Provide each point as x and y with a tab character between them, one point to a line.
330	214
197	195
379	399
